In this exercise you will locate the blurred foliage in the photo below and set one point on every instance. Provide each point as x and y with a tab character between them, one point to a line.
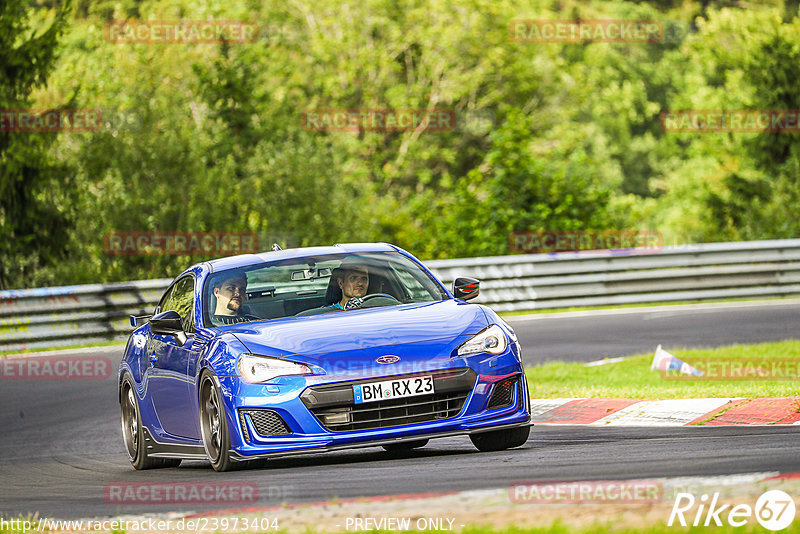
548	136
35	186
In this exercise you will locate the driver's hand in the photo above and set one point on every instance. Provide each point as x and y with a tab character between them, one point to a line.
353	303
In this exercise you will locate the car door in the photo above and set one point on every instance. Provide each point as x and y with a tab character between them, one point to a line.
169	383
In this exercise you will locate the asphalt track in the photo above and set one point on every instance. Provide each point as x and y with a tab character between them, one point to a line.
60	442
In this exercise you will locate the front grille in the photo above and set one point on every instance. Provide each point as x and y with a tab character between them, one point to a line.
503	394
266	423
333	405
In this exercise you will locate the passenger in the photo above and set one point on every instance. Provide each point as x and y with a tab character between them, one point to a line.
230	292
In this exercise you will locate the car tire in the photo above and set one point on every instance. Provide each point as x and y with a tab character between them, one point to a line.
132	433
405	445
500	440
214	425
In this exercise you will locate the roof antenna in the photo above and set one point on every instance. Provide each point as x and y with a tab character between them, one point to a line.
276	246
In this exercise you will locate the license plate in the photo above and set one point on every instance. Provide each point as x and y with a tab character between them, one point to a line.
393	389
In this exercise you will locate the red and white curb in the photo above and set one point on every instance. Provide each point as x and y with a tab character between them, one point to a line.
671	412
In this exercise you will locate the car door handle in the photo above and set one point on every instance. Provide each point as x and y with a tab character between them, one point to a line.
153	359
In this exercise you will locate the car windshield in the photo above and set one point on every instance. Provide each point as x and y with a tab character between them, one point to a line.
314	285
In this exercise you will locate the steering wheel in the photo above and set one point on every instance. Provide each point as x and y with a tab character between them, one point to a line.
357	302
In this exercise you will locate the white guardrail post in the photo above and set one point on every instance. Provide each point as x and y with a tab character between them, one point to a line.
62	316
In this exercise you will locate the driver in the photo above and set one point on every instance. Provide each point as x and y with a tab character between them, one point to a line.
230	292
353	279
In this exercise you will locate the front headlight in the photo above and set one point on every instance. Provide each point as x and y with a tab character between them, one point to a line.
491	340
255	369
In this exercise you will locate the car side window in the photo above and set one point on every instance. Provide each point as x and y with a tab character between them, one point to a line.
181	300
164	298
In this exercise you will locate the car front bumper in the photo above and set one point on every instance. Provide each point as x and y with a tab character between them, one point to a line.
309	434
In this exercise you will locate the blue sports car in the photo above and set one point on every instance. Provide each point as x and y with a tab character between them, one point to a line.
317	349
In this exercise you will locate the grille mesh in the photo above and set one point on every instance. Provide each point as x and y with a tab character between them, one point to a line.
266	423
503	394
335	407
396	412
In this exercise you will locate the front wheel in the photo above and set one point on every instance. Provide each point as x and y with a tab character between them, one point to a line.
213	425
132	432
500	440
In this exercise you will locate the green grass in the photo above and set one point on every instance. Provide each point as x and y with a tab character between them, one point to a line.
633	379
639	305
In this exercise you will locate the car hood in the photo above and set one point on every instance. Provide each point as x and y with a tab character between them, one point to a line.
312	339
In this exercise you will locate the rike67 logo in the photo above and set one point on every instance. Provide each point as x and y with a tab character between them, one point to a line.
774	510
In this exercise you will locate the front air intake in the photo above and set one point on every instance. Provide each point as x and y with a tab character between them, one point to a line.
503	393
266	422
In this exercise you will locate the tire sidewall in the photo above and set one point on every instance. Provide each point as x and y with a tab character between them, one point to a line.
141	461
223	460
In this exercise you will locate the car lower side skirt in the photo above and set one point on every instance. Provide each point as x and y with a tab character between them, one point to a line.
156	449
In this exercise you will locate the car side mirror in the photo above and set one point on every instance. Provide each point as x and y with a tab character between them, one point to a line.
137	320
466	288
169	323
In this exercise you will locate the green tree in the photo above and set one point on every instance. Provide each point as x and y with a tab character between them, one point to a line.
733	186
33	227
520	187
554	136
774	72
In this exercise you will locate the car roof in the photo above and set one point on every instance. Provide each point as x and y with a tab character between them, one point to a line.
244	260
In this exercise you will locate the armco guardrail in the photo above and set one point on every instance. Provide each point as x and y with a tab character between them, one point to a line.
69	315
59	316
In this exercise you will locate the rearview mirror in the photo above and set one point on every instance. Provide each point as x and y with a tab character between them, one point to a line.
168	323
466	288
310	274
